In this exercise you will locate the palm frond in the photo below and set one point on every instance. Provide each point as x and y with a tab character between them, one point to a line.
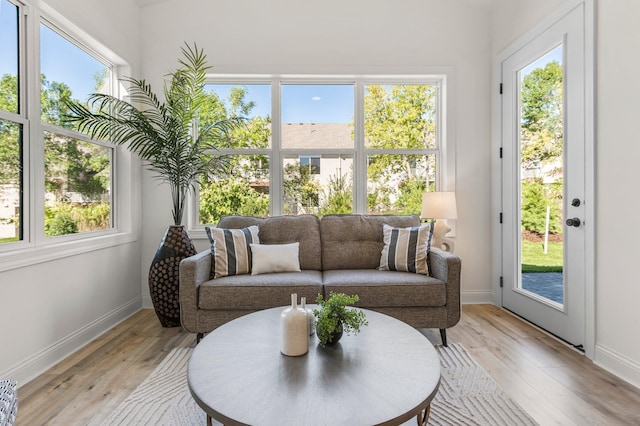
161	132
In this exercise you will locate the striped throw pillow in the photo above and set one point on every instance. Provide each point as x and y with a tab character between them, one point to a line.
406	249
231	250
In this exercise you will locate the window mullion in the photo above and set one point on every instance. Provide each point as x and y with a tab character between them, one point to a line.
275	164
36	185
360	160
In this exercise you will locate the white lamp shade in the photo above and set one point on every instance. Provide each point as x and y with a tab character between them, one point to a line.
439	205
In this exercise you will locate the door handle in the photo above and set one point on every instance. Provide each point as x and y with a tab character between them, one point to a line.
573	222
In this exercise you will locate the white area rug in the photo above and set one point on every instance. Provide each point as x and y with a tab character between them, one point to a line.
467	396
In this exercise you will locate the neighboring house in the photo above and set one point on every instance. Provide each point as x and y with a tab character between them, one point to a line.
326	136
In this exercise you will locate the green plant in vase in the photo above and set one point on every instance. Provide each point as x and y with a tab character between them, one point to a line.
333	317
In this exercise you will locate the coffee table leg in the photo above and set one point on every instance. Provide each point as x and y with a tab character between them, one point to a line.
208	420
423	416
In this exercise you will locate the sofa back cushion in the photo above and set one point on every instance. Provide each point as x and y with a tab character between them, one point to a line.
304	229
356	241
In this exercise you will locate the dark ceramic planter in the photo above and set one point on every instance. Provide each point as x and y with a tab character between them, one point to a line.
335	337
164	274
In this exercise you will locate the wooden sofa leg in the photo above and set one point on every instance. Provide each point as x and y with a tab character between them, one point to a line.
443	336
199	337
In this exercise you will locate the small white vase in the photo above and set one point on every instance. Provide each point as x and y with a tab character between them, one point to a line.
311	318
294	337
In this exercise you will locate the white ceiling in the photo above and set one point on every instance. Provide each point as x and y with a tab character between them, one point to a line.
143	3
484	4
487	4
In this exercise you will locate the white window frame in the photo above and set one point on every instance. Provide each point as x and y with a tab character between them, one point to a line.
444	150
35	247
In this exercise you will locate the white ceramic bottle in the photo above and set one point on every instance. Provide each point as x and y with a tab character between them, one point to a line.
310	317
294	337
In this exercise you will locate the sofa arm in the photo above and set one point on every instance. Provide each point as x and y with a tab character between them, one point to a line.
194	271
446	267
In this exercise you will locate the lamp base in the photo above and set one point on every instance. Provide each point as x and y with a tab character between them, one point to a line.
440	230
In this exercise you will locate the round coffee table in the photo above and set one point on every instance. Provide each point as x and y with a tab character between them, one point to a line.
385	375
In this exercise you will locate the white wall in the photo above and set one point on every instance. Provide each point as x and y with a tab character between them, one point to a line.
617	347
363	36
617	177
51	309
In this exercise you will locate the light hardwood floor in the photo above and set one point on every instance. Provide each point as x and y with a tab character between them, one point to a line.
551	381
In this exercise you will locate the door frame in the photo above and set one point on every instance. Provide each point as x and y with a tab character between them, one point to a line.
590	194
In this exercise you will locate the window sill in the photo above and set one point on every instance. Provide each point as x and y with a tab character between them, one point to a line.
24	257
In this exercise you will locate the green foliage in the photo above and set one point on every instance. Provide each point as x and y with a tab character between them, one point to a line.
300	190
229	197
410	199
68	218
255	133
59	221
54	100
339	196
378	199
10	135
77	166
333	314
535	199
93	216
403	116
404	176
162	132
542	117
9	93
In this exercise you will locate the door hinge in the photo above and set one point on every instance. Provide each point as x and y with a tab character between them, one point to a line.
501	88
501	282
500	152
500	217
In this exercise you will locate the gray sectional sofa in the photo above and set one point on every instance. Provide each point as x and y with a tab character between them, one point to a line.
339	253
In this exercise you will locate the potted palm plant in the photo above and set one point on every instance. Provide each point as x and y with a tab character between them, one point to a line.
164	136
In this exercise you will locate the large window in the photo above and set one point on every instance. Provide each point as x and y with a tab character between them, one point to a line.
338	146
54	181
77	196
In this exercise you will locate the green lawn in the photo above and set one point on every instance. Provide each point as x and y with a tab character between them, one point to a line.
534	260
8	240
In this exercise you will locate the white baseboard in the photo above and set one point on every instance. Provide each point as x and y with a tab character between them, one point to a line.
147	303
615	363
476	297
38	363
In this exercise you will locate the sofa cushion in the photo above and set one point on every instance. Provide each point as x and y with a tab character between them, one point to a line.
386	288
230	248
304	229
355	241
405	249
258	291
270	258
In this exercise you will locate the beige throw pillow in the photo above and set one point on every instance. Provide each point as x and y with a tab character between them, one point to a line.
269	258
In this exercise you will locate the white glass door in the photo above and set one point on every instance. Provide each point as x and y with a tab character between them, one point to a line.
543	140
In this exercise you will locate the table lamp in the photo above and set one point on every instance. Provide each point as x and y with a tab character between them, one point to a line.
440	205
